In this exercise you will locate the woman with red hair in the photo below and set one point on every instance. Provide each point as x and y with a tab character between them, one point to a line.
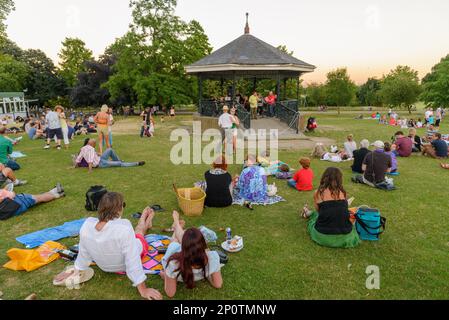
219	185
188	260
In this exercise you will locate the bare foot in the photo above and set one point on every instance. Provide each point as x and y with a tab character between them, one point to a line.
176	217
150	216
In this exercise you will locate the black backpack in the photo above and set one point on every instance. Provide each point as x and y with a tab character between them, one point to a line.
93	197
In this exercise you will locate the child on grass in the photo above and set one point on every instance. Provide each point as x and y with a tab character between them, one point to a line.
303	179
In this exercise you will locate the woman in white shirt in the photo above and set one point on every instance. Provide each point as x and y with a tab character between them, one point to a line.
112	243
188	260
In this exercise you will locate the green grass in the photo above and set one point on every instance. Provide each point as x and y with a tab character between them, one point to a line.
279	260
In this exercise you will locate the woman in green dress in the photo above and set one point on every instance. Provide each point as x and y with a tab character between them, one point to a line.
330	224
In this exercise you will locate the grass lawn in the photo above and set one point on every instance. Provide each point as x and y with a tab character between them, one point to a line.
279	260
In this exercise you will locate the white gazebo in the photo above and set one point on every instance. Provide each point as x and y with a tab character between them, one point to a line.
14	104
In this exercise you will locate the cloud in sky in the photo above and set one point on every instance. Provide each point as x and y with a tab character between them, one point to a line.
369	37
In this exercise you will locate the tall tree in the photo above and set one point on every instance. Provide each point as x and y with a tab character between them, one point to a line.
368	93
72	57
89	90
340	89
6	6
316	94
43	82
13	74
436	84
400	88
152	56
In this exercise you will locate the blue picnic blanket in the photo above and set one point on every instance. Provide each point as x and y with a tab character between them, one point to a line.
36	239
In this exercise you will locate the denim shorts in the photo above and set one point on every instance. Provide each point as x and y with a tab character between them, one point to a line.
25	201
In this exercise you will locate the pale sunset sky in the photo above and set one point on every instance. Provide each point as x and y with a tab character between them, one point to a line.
369	37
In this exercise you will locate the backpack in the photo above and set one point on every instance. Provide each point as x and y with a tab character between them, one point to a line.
369	223
8	208
93	197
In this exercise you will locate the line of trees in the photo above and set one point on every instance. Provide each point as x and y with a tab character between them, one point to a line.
400	88
146	66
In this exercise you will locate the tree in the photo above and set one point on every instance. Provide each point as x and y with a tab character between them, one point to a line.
13	74
400	88
368	93
89	90
42	82
152	56
316	94
10	48
436	85
340	89
6	6
72	57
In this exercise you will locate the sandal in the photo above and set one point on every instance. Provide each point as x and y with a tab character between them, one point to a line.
71	279
157	208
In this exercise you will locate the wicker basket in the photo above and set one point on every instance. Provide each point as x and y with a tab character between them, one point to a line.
191	200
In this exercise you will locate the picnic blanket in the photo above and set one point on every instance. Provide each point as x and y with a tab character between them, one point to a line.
152	262
237	200
17	155
36	239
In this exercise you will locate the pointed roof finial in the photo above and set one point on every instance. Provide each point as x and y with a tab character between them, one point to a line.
247	24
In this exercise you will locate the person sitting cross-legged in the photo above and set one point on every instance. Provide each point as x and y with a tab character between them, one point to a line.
89	158
114	245
375	166
437	148
189	260
303	179
26	201
329	225
359	156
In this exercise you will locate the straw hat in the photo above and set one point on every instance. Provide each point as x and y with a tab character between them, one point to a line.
60	108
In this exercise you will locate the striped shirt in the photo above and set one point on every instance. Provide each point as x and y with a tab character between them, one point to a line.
89	154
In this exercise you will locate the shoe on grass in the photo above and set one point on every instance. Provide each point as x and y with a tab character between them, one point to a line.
59	189
141	163
47	147
19	183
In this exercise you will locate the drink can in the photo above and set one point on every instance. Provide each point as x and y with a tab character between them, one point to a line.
228	234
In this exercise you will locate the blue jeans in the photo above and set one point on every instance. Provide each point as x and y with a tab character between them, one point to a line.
291	183
12	165
115	160
271	110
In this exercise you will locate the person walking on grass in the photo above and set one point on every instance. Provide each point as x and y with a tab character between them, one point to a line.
64	125
54	129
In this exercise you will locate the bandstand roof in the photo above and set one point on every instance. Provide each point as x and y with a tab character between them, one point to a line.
248	54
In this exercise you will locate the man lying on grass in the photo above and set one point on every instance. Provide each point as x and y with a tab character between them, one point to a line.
89	158
12	204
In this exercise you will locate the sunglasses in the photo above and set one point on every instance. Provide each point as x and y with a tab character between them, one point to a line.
124	205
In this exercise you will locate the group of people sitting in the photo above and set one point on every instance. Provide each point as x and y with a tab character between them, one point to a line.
111	242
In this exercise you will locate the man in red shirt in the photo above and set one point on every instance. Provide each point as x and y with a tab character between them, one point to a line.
404	145
303	179
271	102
